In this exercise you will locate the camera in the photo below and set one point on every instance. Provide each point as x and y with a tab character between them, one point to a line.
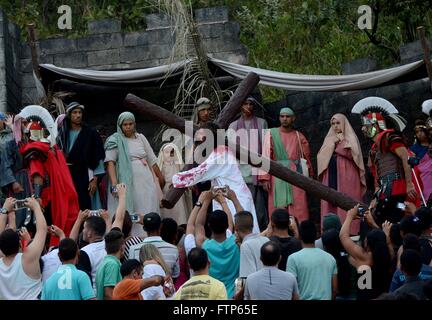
224	190
95	213
19	204
135	217
401	206
114	189
361	211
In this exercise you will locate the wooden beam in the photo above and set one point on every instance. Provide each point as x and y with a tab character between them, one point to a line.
311	186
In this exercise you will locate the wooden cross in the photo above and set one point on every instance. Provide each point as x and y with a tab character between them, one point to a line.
227	114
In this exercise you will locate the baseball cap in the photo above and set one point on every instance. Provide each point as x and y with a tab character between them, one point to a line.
152	221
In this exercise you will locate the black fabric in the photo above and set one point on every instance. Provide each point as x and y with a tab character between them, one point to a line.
86	153
332	177
387	209
287	247
426	250
84	264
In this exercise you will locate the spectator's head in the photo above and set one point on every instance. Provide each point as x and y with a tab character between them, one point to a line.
424	214
395	235
94	229
198	260
114	243
332	243
243	224
270	254
169	230
152	223
308	232
411	262
132	269
68	250
127	224
150	252
9	242
331	221
376	243
410	224
218	222
280	220
411	241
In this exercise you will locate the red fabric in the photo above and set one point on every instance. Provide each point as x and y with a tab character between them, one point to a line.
60	192
398	186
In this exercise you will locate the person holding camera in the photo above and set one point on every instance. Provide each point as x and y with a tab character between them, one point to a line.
222	248
375	253
20	272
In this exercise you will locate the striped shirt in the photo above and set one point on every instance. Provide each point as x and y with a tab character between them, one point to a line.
128	244
168	252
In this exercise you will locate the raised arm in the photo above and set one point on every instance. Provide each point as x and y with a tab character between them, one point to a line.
222	201
82	216
33	251
231	195
9	206
353	249
121	208
190	228
201	218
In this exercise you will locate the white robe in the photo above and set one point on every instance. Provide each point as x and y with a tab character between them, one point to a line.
221	167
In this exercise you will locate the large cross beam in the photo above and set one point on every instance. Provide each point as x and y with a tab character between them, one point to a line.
311	186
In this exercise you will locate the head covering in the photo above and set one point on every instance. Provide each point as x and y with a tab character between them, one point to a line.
202	104
152	221
376	110
331	221
2	116
123	164
287	111
427	110
328	147
73	105
178	161
39	113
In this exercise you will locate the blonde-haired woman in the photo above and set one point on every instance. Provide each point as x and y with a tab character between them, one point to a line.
341	167
170	162
153	264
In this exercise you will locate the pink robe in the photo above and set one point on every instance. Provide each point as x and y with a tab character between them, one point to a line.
348	182
299	207
425	168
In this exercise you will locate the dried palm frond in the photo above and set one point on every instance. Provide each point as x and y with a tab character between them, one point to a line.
196	80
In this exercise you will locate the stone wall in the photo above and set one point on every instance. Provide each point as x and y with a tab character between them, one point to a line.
315	109
10	80
106	47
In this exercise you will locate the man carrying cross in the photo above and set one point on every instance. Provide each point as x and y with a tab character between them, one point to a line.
221	168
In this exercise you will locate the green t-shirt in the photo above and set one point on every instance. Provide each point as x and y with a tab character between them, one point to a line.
108	275
314	269
68	283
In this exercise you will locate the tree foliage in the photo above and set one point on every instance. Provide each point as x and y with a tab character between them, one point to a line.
297	36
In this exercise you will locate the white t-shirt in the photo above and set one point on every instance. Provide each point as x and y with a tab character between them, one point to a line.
15	284
51	263
153	293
